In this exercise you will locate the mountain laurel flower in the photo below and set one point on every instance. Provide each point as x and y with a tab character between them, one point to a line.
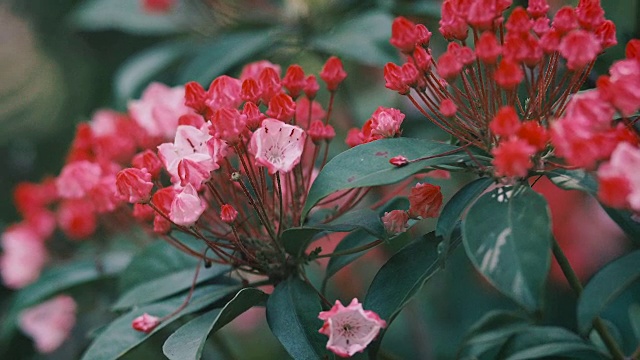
512	158
425	201
448	108
159	109
350	329
404	34
333	73
282	107
77	178
619	178
186	206
311	87
228	214
77	218
194	97
134	185
270	85
251	90
294	80
393	77
385	123
145	323
224	92
193	144
399	161
395	221
277	146
49	323
194	173
580	48
149	161
506	122
23	256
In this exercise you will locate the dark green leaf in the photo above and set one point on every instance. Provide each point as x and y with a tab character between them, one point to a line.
351	241
296	240
605	286
156	260
58	279
167	285
634	319
225	52
507	236
139	70
189	340
492	331
364	38
573	180
400	278
292	314
125	15
546	341
627	221
454	209
368	165
119	337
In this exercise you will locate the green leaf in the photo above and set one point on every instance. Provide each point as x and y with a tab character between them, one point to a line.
364	38
507	236
368	165
296	240
547	341
139	70
454	209
188	341
127	16
167	285
400	278
573	180
292	314
119	337
156	260
224	52
351	241
58	279
605	286
627	221
492	331
634	319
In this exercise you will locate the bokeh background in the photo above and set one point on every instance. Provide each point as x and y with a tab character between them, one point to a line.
62	60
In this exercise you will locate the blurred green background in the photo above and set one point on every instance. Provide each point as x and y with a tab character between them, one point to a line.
61	60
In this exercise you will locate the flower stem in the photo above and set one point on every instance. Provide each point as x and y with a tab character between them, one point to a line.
575	284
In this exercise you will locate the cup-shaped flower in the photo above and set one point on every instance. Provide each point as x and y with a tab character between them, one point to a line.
145	323
193	144
350	329
134	184
187	206
277	146
49	323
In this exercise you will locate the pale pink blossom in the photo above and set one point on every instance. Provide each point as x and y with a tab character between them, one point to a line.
187	206
277	146
385	122
23	256
620	178
145	323
159	109
77	178
49	323
193	144
350	329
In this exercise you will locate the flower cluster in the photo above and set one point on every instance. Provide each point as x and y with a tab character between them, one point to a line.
472	91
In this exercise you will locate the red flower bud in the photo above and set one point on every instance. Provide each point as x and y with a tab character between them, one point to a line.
333	73
194	96
294	80
282	107
228	214
399	161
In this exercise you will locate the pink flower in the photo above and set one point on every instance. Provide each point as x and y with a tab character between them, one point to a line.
620	179
149	161
403	34
350	329
145	323
77	178
159	109
187	206
194	173
228	124
512	158
193	144
194	97
158	6
281	107
333	73
254	69
399	161
311	87
134	184
302	111
277	145
425	200
506	122
224	91
488	48
23	256
448	108
384	123
395	221
579	47
294	80
77	218
508	75
49	323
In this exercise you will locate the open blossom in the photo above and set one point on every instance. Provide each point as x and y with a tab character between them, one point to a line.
425	200
277	146
23	256
350	329
145	323
49	324
619	178
159	109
